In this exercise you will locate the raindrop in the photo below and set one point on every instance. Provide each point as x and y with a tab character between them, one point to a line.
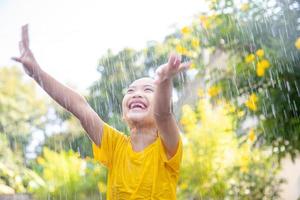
273	110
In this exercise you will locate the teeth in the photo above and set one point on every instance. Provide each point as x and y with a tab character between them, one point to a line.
136	105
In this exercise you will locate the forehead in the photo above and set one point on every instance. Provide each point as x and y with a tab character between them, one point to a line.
142	82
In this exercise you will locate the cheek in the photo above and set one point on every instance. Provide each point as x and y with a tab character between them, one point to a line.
151	100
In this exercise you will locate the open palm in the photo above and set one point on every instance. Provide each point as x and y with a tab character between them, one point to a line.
170	69
26	58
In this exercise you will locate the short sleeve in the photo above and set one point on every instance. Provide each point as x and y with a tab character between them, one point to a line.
109	140
175	161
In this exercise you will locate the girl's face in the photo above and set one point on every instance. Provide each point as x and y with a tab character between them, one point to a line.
138	101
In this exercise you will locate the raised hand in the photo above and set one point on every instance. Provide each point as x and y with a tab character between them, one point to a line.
26	57
170	69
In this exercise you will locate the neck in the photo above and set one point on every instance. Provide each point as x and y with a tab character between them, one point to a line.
143	131
141	137
136	127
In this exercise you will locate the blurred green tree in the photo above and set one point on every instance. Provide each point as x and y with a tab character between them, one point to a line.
263	74
22	113
21	109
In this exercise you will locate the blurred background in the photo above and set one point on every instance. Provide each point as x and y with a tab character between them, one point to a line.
238	105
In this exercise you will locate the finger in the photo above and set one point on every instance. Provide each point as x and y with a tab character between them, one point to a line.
172	59
21	47
16	59
177	62
25	38
184	66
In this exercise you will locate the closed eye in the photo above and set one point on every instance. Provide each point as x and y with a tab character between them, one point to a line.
130	91
148	89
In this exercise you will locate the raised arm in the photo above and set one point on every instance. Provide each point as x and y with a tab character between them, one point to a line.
63	95
163	115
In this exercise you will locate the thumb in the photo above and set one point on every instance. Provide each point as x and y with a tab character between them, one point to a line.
185	66
17	59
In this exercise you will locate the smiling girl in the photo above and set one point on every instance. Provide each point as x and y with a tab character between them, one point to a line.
144	165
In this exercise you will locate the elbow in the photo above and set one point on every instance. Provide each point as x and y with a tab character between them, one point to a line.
81	99
80	108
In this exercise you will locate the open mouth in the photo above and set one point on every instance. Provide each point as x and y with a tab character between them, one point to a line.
137	105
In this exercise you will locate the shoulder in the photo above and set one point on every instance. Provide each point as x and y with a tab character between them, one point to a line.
175	161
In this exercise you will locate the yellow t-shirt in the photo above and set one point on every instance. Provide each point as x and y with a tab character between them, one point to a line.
147	174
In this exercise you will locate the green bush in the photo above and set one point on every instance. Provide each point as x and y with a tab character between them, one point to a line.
217	164
14	176
67	176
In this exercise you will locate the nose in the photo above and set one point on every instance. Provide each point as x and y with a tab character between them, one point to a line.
137	95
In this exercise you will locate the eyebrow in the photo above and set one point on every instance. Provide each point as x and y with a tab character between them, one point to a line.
147	85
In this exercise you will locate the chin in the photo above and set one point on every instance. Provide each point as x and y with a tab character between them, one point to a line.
138	117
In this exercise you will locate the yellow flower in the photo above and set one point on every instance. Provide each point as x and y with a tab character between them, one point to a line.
251	102
205	21
181	50
186	30
41	160
297	43
244	169
265	64
260	71
195	43
183	186
231	108
245	7
261	66
192	66
240	113
188	119
188	116
250	58
260	53
101	187
214	91
251	135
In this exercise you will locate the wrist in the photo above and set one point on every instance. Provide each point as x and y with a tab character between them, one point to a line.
166	80
37	71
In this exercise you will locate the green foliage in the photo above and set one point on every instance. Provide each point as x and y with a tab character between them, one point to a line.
216	165
21	110
67	176
259	39
271	28
117	71
70	136
14	177
21	114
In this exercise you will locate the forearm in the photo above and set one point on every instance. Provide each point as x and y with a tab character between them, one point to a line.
165	120
63	95
163	98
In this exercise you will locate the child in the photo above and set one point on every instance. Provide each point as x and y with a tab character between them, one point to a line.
144	165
